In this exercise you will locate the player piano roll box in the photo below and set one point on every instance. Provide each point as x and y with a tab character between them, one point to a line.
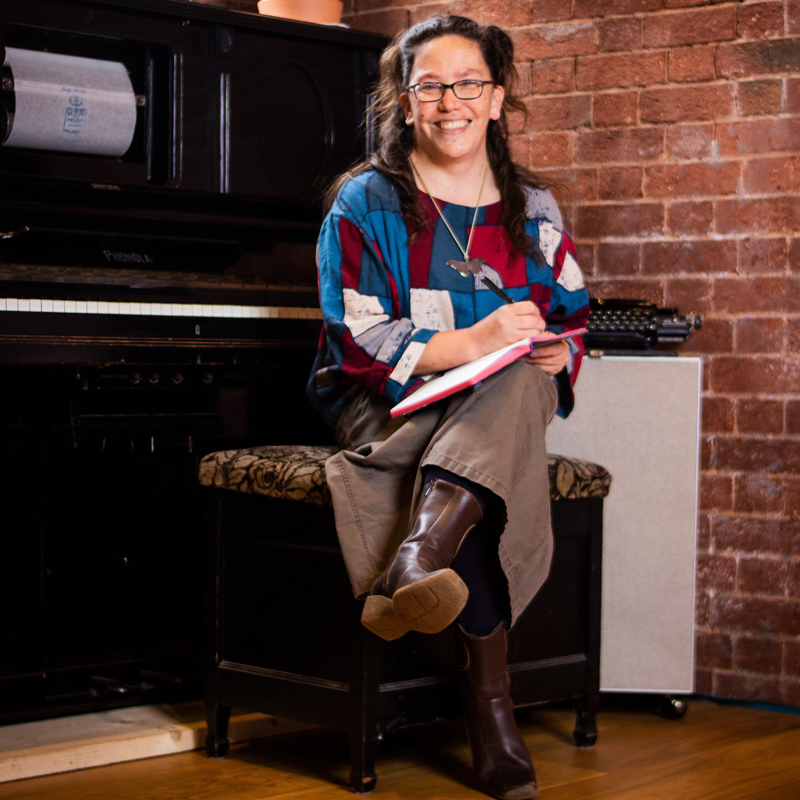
67	103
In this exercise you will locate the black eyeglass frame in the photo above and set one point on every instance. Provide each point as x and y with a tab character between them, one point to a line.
445	87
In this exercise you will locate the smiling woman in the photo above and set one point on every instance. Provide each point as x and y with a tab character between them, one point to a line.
443	517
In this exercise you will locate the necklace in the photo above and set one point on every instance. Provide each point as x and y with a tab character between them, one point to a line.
468	265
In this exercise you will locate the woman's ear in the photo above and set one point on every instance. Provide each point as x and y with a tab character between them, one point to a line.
405	102
498	93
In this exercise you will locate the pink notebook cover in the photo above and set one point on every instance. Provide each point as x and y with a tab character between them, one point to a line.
459	378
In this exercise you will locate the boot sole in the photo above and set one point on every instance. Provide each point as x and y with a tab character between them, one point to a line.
379	617
430	605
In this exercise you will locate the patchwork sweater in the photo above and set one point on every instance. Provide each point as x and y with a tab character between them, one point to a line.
383	298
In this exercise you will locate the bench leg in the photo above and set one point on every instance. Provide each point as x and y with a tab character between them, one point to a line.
217	741
585	731
362	762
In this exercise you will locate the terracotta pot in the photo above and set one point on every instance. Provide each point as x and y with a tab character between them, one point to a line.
324	11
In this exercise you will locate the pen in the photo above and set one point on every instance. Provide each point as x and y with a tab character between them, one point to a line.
490	284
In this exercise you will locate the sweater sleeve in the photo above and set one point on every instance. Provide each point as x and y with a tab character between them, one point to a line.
370	338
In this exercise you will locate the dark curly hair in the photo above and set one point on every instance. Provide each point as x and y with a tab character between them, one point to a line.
395	139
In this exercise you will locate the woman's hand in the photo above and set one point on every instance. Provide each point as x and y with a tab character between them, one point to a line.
550	358
506	325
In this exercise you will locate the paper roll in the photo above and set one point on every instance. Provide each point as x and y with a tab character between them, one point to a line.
72	104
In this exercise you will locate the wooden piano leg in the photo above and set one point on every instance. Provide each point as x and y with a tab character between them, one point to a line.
217	741
585	731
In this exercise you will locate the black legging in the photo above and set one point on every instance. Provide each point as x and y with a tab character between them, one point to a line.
477	562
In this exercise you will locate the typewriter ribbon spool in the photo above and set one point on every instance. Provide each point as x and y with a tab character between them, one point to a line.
67	103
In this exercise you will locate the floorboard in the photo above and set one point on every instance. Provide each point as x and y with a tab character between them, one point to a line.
716	752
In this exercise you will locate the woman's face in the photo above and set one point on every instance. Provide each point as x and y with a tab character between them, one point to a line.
451	130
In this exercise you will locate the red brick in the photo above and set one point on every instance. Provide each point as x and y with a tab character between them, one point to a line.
692	295
421	13
756	453
793	585
759	335
756	535
689	3
791	658
660	258
703	532
571	185
371	5
690	142
754	375
794	255
707	455
702	611
758	136
762	255
763	175
553	41
692	64
754	688
716	494
620	70
640	144
717	415
761	576
550	10
620	183
715	335
617	258
768	614
601	8
792	509
713	650
585	251
617	108
790	691
629	289
683	103
793	95
690	218
551	150
550	77
690	27
758	654
741	60
558	112
622	33
769	215
632	219
760	494
793	16
522	86
760	97
703	681
520	147
508	13
389	22
759	20
672	180
759	416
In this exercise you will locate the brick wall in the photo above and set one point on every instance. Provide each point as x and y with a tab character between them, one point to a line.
674	128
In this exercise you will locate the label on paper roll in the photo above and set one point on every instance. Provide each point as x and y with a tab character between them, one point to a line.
72	104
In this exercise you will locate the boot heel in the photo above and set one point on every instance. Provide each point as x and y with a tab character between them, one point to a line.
431	604
379	618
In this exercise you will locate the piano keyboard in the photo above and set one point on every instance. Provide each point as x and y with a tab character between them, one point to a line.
157	309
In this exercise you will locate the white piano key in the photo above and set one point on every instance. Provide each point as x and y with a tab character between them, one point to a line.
125	308
102	307
216	311
157	309
80	307
36	305
3	304
58	306
69	306
91	307
146	309
113	308
208	311
197	310
12	304
263	312
237	311
227	311
47	306
23	305
136	309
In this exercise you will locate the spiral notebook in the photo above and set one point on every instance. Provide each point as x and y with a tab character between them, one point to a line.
467	375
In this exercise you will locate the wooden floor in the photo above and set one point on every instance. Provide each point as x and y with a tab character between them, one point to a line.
716	752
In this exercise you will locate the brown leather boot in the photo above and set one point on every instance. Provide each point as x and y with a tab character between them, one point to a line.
498	751
418	591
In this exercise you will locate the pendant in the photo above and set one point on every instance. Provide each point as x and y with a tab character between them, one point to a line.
465	267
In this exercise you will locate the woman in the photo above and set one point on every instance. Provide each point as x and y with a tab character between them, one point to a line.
473	468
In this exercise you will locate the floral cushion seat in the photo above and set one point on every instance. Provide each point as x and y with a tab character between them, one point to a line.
297	472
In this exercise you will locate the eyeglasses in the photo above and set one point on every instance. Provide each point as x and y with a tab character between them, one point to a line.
463	90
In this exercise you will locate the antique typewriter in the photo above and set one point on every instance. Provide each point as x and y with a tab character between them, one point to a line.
622	325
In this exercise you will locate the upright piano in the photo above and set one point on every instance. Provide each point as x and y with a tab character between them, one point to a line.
162	165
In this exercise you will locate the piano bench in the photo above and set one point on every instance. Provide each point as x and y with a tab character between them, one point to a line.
283	628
